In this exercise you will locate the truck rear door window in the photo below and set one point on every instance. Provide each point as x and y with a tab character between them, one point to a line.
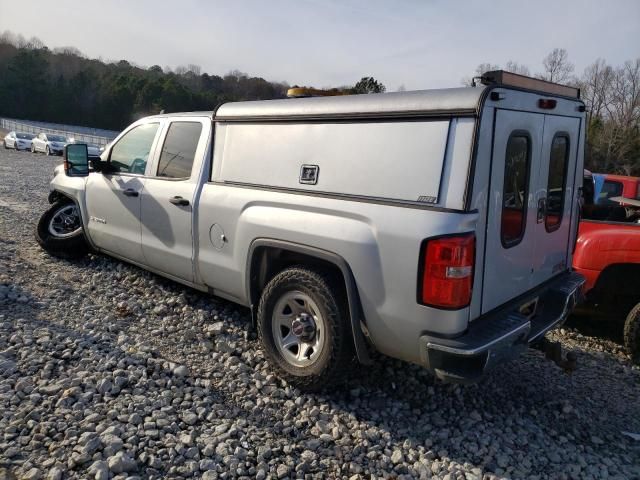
179	150
516	189
556	182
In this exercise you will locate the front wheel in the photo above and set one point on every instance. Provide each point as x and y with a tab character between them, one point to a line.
60	231
47	151
632	333
33	148
303	325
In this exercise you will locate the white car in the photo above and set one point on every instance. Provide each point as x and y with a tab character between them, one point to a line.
18	140
93	150
49	143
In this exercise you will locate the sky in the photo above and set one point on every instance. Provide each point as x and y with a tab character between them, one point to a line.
403	43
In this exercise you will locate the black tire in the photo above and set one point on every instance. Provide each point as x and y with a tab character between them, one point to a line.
334	359
47	151
33	148
632	333
71	247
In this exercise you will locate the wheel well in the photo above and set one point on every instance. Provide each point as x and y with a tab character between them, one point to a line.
268	257
55	195
267	262
618	280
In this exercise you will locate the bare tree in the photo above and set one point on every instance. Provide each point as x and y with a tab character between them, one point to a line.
236	76
195	69
35	43
479	71
626	94
71	51
612	97
20	41
518	68
595	87
557	67
8	37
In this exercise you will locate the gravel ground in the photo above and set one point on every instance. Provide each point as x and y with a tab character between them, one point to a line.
107	371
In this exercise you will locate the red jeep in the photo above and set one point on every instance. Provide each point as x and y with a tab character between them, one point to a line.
608	250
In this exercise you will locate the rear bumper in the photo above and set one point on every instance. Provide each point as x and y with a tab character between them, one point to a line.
501	334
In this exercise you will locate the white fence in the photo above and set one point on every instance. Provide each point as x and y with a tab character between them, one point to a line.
80	134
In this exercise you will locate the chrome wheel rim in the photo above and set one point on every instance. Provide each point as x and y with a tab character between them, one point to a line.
65	222
298	329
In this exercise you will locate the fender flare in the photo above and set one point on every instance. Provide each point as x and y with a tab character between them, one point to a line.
55	195
353	299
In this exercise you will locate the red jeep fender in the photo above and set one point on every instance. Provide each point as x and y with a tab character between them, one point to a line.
602	244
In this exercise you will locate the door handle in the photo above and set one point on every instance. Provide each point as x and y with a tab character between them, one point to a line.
542	209
130	192
181	202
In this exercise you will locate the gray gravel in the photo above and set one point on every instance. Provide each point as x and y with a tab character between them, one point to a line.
107	371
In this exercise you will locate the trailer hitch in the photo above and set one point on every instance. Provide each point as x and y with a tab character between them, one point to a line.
553	351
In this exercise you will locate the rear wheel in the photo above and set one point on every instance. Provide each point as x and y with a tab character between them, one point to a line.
33	148
303	324
47	151
632	333
60	231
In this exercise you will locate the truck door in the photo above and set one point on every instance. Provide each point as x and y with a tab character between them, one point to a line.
511	233
169	196
556	199
113	197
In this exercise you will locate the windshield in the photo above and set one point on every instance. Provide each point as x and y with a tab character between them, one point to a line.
56	138
25	136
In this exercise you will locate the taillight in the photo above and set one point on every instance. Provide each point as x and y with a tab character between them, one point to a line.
446	271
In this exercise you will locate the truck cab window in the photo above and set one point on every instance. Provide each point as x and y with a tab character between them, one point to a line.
556	183
515	189
610	188
179	150
131	153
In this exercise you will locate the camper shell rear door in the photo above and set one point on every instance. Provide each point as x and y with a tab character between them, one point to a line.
531	195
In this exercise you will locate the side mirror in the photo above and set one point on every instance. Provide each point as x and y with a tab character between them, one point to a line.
76	160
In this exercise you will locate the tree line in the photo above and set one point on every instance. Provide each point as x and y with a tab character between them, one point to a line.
63	86
612	97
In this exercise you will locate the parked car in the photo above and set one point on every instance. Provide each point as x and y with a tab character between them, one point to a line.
93	150
413	223
49	143
608	255
18	140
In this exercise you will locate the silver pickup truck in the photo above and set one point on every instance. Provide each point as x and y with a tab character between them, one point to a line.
436	226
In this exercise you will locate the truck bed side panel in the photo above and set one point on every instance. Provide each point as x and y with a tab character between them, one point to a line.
380	243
